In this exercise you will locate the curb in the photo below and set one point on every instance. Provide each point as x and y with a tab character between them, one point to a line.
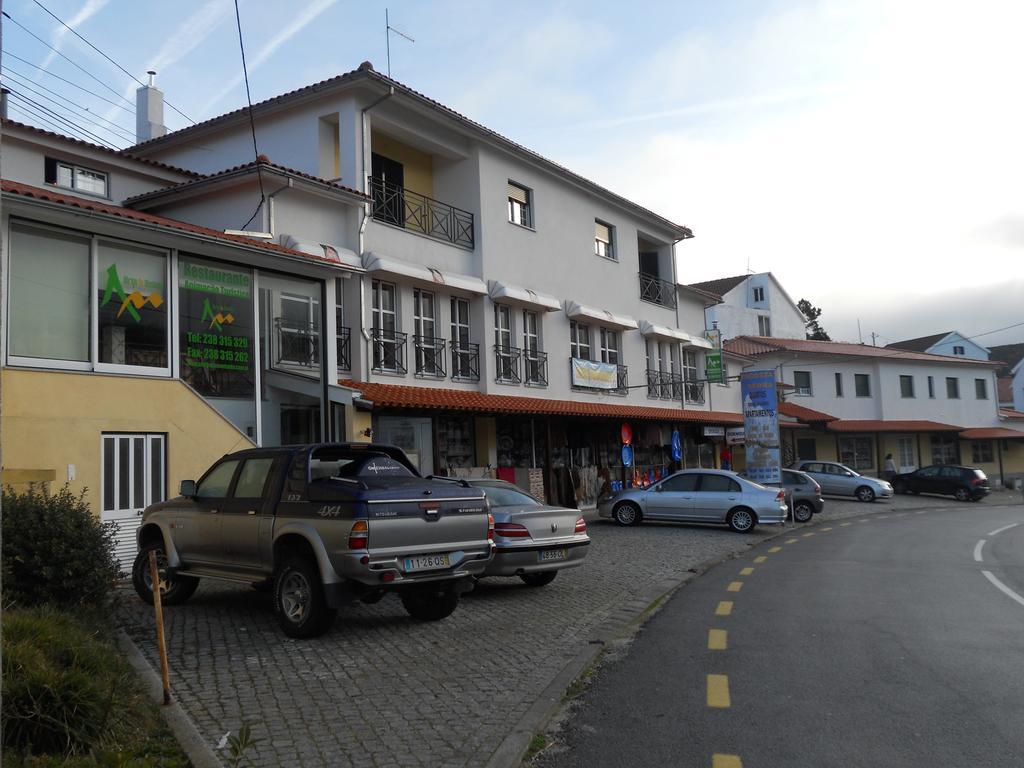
185	731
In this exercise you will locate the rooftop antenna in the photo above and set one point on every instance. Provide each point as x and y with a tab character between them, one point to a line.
388	32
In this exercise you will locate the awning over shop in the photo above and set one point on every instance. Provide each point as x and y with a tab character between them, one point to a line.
882	425
437	399
576	310
336	253
513	294
806	415
652	331
992	433
389	265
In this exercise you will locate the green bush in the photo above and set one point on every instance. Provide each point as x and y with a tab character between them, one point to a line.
55	551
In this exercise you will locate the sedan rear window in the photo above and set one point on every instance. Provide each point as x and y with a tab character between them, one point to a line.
503	496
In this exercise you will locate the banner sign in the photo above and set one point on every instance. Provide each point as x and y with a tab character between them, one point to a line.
714	431
588	373
734	435
713	357
761	426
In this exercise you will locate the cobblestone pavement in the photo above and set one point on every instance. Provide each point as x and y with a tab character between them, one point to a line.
383	690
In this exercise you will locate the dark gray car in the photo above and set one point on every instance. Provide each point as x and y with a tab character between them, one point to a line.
803	494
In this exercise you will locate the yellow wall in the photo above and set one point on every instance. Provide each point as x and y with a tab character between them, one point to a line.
825	443
51	420
1013	459
356	422
419	166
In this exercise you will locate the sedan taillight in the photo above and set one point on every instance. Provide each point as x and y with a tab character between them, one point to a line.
581	525
780	496
511	531
359	536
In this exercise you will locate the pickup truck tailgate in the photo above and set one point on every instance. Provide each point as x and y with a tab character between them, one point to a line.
450	519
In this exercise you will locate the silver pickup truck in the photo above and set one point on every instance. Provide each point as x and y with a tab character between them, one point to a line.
324	525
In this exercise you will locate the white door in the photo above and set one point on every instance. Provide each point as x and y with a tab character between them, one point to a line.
133	477
905	454
414	435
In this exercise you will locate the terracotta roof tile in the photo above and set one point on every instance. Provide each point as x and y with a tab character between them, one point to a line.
807	415
992	433
432	398
37	193
760	345
1009	413
886	425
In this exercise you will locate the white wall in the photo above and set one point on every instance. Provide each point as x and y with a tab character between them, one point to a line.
738	314
972	351
1018	389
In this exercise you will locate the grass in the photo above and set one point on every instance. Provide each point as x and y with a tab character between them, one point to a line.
537	743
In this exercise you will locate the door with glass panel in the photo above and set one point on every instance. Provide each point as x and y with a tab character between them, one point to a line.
133	477
505	370
425	330
905	458
385	325
462	360
535	368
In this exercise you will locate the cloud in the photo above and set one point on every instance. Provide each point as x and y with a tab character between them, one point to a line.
91	8
300	22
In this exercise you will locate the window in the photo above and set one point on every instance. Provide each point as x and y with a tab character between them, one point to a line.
725	375
759	294
958	350
384	318
905	452
531	334
764	325
694	388
839	384
520	208
802	382
425	330
856	452
462	357
980	389
604	243
506	364
133	322
579	340
906	386
931	387
806	448
862	385
680	484
534	361
74	177
217	481
952	388
609	346
252	478
981	451
944	450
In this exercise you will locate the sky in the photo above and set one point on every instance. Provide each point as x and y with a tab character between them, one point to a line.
867	153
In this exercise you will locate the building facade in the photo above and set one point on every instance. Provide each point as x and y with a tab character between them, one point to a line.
753	305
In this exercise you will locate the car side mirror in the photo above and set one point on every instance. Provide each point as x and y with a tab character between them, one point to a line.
188	489
848	474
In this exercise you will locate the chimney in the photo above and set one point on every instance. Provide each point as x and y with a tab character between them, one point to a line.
149	111
3	102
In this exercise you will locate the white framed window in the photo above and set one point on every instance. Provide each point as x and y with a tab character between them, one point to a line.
981	451
425	330
604	240
906	386
384	319
71	176
759	295
958	350
764	325
609	346
579	340
952	388
531	331
503	350
857	452
802	382
520	205
465	363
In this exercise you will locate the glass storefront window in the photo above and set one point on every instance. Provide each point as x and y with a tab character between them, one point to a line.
455	441
132	317
49	294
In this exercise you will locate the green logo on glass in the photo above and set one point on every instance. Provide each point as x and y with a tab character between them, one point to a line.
131	302
217	320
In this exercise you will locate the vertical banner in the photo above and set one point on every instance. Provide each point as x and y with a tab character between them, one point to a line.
713	357
761	426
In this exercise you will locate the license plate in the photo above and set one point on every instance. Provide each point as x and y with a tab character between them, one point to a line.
426	562
553	554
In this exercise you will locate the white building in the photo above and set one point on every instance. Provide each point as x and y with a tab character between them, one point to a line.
948	343
753	305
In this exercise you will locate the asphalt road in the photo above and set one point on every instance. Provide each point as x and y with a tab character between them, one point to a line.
894	639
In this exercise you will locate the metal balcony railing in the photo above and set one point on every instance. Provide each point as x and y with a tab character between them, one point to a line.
506	364
535	367
296	344
465	361
343	340
429	354
388	351
694	392
410	210
664	385
657	291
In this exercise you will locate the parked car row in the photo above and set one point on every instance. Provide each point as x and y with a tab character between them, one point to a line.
328	525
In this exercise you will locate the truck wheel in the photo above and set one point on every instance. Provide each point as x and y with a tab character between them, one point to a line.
429	603
299	601
173	589
538	578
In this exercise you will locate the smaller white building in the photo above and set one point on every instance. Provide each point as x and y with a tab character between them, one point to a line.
947	343
753	305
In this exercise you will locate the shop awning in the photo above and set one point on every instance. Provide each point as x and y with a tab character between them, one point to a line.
806	415
652	331
336	253
389	265
525	297
992	433
884	425
608	319
437	399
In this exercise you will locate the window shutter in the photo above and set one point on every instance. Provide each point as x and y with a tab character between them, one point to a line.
518	194
602	232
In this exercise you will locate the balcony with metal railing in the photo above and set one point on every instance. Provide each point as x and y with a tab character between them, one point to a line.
388	348
657	291
401	207
694	392
343	343
428	352
465	361
296	345
506	364
535	368
664	385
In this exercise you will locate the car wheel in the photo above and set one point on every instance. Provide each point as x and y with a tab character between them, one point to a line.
899	487
538	578
865	494
429	603
299	601
627	513
962	494
173	589
803	512
741	520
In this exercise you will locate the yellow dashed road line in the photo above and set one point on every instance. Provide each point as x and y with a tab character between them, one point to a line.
792	541
717	639
843	525
808	535
724	608
760	559
718	692
746	571
726	761
735	586
775	549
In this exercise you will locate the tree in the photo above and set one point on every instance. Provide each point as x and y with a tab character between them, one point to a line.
812	313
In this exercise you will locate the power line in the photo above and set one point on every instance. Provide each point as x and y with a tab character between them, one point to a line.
69	82
61	118
105	56
30	117
37	116
252	121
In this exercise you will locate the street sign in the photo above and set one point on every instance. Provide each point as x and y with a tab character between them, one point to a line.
713	357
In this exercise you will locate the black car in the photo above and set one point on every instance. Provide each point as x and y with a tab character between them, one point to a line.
963	483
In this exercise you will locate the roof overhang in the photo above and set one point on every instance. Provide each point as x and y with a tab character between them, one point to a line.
992	433
652	331
524	297
388	265
882	425
578	311
343	256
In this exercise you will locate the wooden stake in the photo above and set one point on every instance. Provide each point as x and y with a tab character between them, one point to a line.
154	574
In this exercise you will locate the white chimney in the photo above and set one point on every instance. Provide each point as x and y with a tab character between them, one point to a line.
149	111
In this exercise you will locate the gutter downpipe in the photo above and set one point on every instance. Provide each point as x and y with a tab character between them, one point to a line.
270	204
364	136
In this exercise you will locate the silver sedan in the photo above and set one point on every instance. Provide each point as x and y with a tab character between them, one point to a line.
699	496
838	479
533	541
